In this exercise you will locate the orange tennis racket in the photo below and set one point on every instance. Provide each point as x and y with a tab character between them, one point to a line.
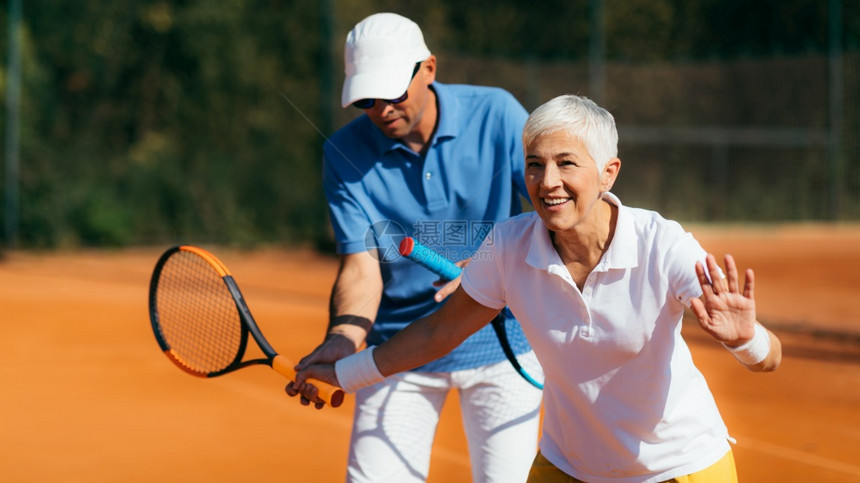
201	321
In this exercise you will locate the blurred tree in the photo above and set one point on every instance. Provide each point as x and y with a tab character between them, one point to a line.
152	121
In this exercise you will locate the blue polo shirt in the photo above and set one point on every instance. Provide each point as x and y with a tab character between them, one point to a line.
380	191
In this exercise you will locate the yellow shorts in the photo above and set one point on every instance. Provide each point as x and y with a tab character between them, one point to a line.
723	471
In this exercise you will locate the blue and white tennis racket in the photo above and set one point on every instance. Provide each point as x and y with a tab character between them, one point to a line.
525	363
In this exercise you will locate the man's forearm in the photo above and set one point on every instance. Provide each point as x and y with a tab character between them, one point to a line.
355	298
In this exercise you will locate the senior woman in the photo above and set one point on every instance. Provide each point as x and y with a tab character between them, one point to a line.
600	290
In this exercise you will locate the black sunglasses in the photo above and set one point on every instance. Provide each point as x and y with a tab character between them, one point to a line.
368	103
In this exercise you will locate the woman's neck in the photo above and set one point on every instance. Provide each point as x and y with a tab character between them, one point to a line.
582	247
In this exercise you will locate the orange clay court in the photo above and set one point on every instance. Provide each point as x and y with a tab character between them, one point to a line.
88	397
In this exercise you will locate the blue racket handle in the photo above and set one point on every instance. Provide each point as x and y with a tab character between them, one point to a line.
429	259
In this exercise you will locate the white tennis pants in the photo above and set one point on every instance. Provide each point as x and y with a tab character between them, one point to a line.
395	422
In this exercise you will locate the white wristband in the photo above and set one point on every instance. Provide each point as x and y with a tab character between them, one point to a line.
754	350
357	371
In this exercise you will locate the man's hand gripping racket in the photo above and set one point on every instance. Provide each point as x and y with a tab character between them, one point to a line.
201	321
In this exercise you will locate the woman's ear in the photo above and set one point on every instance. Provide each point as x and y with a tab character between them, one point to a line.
609	174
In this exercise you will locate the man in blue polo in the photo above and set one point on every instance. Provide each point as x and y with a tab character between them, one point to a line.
441	163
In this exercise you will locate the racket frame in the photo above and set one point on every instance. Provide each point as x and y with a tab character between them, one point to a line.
330	394
448	270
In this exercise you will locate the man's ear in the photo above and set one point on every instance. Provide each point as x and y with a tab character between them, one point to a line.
429	68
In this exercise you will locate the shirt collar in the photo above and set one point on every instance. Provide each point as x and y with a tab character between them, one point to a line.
449	104
446	126
622	252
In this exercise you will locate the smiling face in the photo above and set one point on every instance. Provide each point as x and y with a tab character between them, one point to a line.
564	184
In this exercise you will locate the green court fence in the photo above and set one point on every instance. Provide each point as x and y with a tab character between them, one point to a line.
752	140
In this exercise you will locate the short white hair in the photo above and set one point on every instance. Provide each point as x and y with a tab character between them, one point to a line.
580	117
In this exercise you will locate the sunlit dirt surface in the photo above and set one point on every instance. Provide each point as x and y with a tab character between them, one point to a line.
87	396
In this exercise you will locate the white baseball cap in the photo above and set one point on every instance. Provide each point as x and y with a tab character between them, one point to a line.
380	56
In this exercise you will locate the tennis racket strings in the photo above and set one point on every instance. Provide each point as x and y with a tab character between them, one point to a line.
197	315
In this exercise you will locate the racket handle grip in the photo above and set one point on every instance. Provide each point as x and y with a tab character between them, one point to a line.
328	393
429	259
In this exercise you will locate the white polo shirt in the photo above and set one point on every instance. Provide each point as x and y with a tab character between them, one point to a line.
623	401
